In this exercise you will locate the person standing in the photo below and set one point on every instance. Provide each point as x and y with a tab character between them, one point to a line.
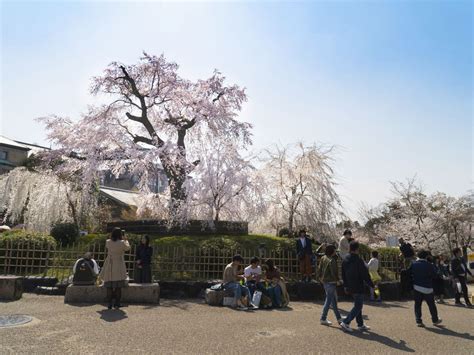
143	260
114	272
354	275
344	243
304	250
422	273
408	253
373	267
328	275
459	271
438	282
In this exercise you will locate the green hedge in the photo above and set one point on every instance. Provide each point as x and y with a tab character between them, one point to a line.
17	237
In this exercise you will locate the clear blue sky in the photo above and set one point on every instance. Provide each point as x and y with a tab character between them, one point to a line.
391	82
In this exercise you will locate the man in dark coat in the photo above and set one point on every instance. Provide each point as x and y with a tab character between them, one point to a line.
304	250
460	270
422	273
355	275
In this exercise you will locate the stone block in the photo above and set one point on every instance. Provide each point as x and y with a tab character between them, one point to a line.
214	298
11	287
133	293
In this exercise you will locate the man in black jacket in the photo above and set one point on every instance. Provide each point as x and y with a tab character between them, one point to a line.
460	270
354	275
304	250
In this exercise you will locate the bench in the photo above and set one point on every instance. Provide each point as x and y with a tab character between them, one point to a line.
133	293
11	287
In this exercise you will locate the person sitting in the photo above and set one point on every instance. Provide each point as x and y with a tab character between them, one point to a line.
85	271
273	287
143	257
253	276
231	280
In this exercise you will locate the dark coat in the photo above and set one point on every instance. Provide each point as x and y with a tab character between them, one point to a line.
456	267
355	274
144	254
307	250
422	273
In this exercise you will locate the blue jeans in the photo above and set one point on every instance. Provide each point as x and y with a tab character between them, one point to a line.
274	292
254	286
331	300
356	311
239	290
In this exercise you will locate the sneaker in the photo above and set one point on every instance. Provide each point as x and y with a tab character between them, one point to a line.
458	304
117	305
437	322
325	322
363	328
340	320
421	325
252	306
241	308
109	306
346	327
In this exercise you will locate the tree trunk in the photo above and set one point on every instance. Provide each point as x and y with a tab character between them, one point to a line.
290	221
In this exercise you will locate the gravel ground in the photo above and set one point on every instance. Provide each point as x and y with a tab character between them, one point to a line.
192	327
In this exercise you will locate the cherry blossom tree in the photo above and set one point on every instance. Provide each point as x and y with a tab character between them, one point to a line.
301	185
40	199
151	116
225	184
434	221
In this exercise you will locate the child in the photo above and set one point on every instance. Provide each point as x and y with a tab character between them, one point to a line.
373	266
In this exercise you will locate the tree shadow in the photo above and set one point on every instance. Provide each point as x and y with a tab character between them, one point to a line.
382	339
180	304
112	315
442	330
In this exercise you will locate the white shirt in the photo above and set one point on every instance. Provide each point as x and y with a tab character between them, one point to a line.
373	264
96	267
249	271
303	241
343	246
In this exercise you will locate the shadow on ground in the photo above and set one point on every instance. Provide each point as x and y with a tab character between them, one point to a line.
112	315
442	330
382	339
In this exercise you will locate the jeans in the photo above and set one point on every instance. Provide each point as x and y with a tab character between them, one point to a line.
429	298
331	300
356	311
254	286
239	290
274	292
462	281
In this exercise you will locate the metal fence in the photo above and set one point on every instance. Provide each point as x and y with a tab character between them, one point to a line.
168	264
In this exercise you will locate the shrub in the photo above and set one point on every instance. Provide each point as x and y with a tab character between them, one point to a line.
284	232
21	237
65	233
388	253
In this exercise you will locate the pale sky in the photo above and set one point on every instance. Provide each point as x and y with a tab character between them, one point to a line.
390	82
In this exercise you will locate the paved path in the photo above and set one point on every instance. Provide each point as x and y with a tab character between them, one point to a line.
192	327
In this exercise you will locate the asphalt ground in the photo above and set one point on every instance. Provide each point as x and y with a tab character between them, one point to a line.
191	327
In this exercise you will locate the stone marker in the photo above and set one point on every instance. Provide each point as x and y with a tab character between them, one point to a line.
134	293
11	287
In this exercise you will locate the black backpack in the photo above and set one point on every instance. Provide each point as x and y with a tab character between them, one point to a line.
84	274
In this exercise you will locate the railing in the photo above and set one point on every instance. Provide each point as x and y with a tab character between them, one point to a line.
169	263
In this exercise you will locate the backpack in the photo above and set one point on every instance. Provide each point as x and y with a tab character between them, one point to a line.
84	274
217	287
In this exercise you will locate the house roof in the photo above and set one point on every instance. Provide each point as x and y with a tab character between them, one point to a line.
31	148
123	197
11	143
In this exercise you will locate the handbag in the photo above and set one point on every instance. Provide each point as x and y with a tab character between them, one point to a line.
257	296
